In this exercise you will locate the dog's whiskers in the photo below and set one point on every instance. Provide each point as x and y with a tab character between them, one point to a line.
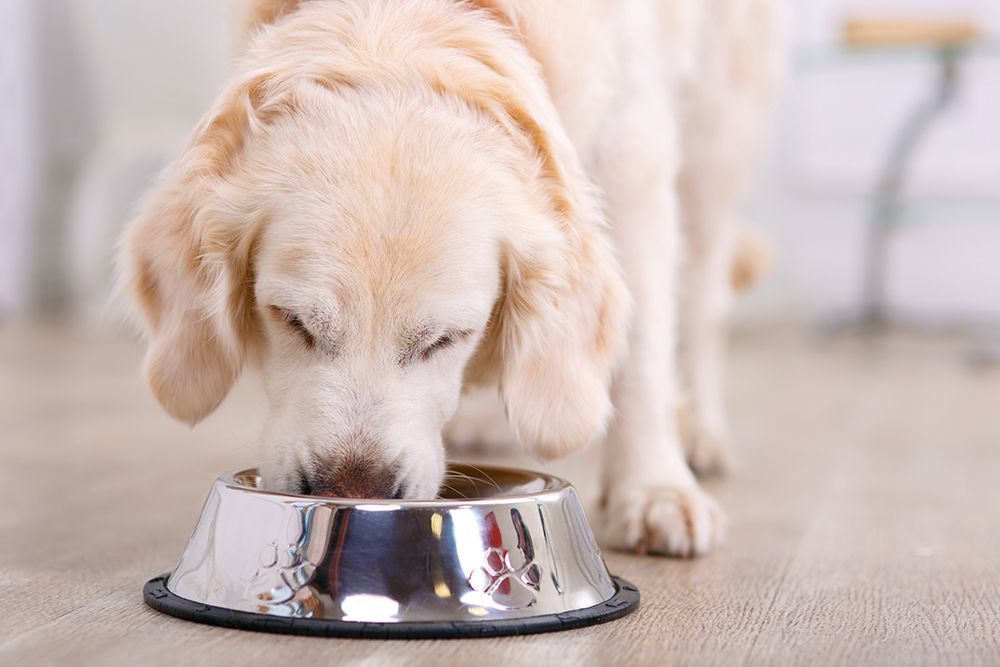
452	474
455	491
485	477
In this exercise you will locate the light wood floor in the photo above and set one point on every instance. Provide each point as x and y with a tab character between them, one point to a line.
865	518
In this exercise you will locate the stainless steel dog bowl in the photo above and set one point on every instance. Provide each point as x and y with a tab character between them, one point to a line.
508	552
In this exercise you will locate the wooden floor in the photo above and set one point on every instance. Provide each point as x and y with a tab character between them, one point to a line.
865	518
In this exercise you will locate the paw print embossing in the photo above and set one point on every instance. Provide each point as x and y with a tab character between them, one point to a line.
277	579
281	573
510	577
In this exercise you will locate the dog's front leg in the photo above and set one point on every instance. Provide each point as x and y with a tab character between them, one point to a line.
651	500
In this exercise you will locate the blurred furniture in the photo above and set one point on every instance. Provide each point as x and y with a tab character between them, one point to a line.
869	32
949	42
948	39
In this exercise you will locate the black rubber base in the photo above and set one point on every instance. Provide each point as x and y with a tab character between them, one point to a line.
624	601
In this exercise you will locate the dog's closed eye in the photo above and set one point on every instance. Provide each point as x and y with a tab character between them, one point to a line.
444	341
295	323
417	348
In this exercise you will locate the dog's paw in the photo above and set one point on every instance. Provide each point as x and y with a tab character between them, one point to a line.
669	520
707	446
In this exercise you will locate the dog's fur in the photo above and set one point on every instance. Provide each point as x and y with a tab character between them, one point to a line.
394	199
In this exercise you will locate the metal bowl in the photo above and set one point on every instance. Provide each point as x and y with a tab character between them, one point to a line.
506	552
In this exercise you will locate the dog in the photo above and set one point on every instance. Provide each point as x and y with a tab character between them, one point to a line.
396	200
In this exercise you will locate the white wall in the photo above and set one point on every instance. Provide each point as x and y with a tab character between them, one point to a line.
152	60
119	84
20	169
153	70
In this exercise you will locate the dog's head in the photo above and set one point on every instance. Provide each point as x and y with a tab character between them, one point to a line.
371	249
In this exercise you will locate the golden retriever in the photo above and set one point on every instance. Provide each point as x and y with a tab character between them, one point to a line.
396	199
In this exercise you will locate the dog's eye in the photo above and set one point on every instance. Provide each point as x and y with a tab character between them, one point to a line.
295	322
446	339
442	342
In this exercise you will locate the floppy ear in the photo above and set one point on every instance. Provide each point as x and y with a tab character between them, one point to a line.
558	329
185	263
559	332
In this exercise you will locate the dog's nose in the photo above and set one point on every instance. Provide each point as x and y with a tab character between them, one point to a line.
355	479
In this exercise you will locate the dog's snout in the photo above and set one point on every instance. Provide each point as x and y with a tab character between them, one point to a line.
357	478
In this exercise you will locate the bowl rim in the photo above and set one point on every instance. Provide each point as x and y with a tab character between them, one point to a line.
554	486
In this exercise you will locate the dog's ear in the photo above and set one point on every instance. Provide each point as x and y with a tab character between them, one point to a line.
558	329
185	262
557	333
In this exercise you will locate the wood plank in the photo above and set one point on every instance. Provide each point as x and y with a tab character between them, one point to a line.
883	32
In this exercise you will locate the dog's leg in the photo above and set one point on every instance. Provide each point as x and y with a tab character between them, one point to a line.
651	500
721	256
707	188
705	300
723	110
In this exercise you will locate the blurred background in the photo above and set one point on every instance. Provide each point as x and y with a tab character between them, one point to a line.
843	113
99	94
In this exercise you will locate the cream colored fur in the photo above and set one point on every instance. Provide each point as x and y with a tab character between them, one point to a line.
394	199
724	103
